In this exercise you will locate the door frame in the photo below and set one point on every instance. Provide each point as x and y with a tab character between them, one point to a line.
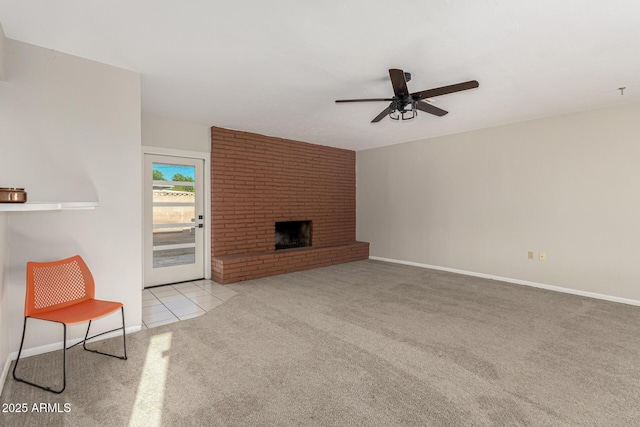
146	149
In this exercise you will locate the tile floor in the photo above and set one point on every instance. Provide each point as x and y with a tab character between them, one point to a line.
172	303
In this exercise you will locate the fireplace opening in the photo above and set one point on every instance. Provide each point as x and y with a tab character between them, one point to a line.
293	234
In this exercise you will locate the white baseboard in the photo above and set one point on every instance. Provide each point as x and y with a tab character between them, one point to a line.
5	372
514	281
27	352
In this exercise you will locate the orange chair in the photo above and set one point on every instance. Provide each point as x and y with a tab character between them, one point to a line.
63	292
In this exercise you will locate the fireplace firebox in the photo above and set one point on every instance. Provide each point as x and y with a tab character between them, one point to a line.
293	234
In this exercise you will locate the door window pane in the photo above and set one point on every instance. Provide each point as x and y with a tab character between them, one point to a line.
173	215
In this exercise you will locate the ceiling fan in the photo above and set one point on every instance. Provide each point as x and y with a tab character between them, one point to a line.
404	105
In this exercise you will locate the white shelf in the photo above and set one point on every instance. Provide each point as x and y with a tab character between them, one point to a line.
78	205
46	206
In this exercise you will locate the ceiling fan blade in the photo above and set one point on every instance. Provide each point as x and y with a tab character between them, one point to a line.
430	93
365	100
381	116
431	109
398	82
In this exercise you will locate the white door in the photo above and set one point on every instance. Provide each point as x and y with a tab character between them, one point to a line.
173	219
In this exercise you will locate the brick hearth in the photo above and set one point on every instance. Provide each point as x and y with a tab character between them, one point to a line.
259	180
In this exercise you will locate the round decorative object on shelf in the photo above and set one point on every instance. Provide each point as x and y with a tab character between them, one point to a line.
12	195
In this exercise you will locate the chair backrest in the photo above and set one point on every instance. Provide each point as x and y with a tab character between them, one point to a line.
57	284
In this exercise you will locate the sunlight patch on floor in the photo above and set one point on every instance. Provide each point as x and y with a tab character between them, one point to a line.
147	410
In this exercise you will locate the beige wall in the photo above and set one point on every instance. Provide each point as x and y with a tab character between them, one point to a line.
479	201
71	132
4	306
3	48
175	134
173	214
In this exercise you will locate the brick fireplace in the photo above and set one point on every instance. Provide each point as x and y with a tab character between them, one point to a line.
265	189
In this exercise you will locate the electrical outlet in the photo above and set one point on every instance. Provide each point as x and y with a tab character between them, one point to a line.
530	254
543	256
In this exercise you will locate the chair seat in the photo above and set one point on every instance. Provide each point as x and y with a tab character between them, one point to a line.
81	312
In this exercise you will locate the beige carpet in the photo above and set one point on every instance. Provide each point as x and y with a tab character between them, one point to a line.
366	343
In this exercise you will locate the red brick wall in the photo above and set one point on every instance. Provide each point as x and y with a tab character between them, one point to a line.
258	180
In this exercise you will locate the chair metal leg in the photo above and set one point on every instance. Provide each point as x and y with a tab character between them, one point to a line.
124	340
64	362
64	353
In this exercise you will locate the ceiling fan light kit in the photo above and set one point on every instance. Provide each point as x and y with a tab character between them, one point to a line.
405	105
399	110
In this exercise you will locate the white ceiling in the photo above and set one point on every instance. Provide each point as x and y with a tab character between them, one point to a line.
276	67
